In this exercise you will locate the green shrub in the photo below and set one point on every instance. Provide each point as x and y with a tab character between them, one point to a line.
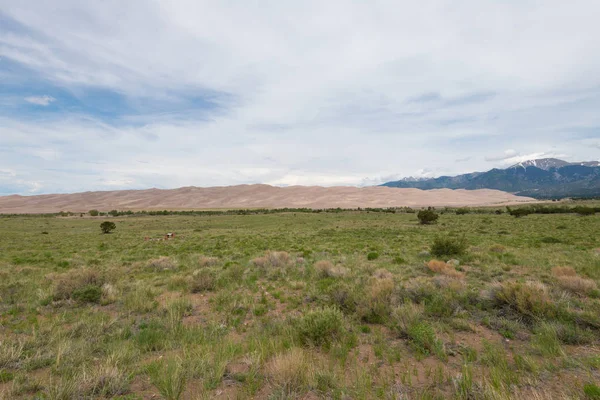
94	213
423	339
427	217
87	294
107	226
462	211
584	211
152	336
372	256
518	212
530	299
320	327
592	391
448	246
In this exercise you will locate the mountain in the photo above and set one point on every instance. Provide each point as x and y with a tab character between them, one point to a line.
542	179
253	196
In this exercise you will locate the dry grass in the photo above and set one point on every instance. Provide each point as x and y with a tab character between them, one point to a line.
577	284
273	259
289	371
443	268
563	271
327	269
204	261
569	280
162	264
382	273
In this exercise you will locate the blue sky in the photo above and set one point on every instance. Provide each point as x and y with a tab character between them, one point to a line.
126	95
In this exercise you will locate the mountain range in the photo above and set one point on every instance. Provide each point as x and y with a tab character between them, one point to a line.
545	178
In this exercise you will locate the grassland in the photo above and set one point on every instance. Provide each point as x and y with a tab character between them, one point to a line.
344	305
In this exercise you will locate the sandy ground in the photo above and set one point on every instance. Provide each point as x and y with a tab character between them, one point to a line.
255	196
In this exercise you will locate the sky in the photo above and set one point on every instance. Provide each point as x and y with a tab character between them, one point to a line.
107	95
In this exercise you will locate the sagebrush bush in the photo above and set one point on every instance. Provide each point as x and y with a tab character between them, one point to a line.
444	246
83	283
326	269
405	316
530	298
87	294
202	281
372	256
345	297
162	264
376	304
427	217
273	259
204	261
321	327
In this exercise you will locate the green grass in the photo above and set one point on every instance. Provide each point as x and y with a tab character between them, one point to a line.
338	305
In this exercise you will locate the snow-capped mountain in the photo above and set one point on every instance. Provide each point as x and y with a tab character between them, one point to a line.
542	178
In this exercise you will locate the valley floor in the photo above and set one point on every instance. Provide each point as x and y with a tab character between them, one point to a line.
349	305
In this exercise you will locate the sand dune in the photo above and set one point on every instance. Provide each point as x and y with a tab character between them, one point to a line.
254	196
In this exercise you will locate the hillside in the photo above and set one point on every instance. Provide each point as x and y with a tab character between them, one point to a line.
253	196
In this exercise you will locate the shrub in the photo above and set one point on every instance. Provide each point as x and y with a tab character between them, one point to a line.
375	306
448	246
326	269
114	213
94	213
78	283
202	281
584	211
405	316
87	294
161	264
204	261
443	268
273	259
423	339
372	256
518	212
320	327
427	217
344	297
530	299
462	211
107	226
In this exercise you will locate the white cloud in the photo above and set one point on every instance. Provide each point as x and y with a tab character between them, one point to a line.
40	100
313	92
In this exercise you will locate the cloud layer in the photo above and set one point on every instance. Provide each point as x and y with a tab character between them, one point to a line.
163	94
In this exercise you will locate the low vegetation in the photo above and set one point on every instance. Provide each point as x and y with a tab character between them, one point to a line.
301	304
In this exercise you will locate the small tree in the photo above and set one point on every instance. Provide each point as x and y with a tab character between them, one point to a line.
114	213
107	226
427	217
94	213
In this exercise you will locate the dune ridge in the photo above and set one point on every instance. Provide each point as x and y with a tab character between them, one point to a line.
254	196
